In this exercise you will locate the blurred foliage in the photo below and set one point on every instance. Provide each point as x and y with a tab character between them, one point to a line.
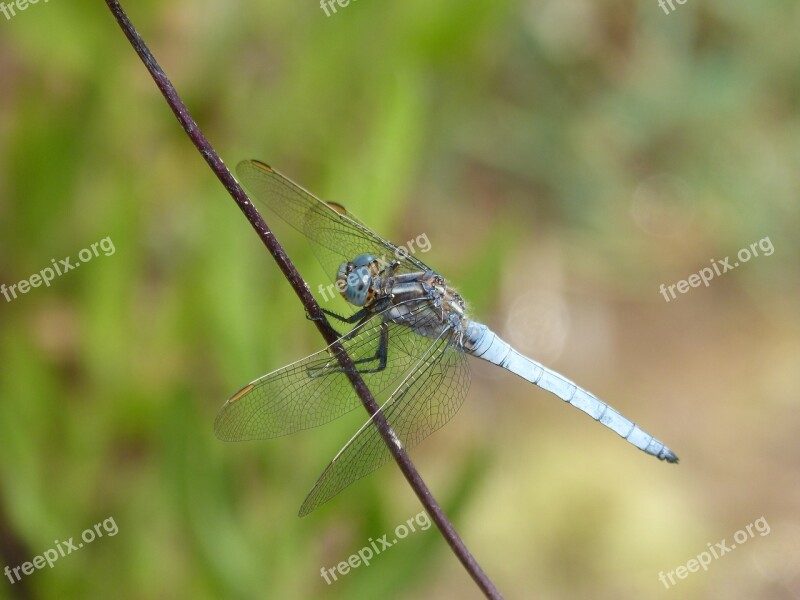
564	158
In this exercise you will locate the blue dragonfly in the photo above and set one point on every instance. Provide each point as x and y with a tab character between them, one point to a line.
408	335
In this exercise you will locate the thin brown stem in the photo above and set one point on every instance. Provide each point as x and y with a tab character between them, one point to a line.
312	308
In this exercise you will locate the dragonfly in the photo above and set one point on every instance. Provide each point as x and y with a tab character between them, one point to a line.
408	335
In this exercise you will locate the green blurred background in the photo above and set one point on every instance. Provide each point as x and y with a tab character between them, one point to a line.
564	158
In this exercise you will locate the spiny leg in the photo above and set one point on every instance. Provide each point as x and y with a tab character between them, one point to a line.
381	355
355	318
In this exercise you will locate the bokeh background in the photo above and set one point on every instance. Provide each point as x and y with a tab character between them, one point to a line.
564	158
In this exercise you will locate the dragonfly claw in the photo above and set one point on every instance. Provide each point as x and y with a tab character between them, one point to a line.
310	318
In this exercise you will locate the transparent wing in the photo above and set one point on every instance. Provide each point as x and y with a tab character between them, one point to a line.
314	391
334	234
426	399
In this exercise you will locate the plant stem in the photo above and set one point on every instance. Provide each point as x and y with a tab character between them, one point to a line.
312	308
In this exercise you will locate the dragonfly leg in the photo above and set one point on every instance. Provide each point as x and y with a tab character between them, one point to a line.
350	320
355	318
381	356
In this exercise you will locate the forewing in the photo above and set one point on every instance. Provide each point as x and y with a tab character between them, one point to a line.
425	400
334	234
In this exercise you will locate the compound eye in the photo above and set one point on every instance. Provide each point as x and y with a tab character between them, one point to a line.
359	282
363	260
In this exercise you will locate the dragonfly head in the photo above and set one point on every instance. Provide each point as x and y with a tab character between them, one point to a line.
354	279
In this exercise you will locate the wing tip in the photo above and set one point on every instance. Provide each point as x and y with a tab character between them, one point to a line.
219	427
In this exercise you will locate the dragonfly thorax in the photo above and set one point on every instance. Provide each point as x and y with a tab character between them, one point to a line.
354	279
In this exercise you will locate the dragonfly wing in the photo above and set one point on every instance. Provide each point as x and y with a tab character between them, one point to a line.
425	400
335	235
315	390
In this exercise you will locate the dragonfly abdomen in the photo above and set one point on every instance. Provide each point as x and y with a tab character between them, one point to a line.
482	342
